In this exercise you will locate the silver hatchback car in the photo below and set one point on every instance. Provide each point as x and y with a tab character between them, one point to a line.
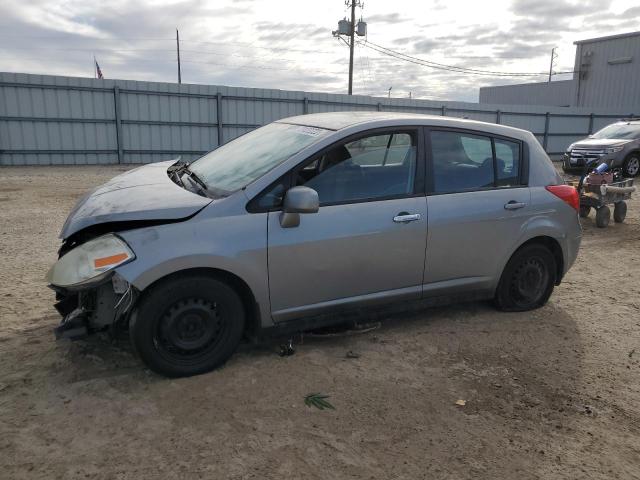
308	219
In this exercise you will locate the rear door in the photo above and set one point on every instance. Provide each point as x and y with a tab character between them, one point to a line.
366	244
478	204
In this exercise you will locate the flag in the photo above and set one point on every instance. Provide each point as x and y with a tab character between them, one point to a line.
98	71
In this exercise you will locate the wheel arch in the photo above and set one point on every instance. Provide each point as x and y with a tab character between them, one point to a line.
635	151
252	310
554	247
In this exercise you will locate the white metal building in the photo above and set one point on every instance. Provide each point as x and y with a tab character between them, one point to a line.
607	75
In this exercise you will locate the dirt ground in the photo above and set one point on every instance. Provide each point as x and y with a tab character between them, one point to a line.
549	394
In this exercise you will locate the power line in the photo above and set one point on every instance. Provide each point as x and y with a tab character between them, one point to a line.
451	68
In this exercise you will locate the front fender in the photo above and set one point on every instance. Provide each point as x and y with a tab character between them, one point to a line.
235	244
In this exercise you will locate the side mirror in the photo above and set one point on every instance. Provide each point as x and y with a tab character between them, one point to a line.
298	200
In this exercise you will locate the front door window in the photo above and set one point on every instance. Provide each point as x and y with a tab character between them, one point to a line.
369	168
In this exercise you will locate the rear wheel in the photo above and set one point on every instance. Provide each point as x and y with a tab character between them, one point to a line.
528	279
603	216
631	166
619	212
187	325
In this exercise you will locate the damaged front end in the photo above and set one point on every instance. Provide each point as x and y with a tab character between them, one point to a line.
103	307
90	295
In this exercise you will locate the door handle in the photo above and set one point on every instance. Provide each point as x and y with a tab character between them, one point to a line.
404	217
513	205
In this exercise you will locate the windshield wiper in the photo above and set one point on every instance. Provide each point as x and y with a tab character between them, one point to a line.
177	170
180	168
195	177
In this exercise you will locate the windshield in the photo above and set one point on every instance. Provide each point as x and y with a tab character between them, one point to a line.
619	130
241	161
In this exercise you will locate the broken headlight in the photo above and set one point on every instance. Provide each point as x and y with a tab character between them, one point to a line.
90	262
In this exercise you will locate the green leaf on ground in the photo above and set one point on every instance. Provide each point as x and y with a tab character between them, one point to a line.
318	400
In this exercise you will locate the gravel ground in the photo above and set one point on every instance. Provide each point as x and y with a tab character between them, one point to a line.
553	393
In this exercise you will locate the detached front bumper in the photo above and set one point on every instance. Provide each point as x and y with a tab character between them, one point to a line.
93	309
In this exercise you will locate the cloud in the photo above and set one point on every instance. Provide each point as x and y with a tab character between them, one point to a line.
557	8
517	50
387	18
632	13
426	45
265	44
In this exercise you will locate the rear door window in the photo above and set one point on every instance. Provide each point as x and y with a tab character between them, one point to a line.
461	161
464	161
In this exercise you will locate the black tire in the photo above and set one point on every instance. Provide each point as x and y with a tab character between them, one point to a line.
619	212
603	216
631	165
528	279
187	325
584	211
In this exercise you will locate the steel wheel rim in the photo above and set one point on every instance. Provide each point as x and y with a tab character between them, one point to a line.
633	166
189	330
529	281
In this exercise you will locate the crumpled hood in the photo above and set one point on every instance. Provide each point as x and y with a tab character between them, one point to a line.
145	193
599	142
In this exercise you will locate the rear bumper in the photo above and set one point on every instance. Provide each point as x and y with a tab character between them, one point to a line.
572	247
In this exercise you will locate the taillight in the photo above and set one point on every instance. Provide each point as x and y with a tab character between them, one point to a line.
567	194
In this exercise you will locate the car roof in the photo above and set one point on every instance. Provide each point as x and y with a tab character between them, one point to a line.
342	120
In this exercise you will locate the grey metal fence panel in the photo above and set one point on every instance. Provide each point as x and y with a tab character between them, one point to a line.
533	123
50	120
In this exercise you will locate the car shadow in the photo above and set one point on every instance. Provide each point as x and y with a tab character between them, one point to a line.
472	340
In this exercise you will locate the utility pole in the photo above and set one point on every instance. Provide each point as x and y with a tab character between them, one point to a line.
178	50
554	55
351	29
351	44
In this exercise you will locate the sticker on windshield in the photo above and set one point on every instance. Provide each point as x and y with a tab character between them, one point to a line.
312	131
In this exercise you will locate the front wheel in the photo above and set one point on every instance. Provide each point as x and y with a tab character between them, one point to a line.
187	325
528	279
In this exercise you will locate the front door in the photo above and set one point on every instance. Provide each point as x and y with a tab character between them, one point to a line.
366	244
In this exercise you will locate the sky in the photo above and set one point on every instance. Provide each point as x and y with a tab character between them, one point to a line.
289	44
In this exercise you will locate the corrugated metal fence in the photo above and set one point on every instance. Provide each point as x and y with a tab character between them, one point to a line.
51	120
